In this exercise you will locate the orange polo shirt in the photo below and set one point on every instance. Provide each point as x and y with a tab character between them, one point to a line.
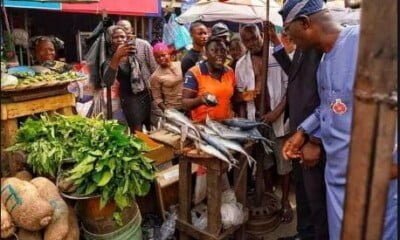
199	80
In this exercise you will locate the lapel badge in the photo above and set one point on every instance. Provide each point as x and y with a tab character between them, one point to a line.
339	107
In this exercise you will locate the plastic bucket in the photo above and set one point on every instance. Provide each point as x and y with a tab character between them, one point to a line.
130	231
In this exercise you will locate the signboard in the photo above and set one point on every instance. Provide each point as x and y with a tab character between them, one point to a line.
118	7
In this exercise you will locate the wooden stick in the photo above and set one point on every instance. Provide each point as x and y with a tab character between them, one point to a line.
373	125
264	80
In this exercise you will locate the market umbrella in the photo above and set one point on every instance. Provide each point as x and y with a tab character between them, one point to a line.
242	11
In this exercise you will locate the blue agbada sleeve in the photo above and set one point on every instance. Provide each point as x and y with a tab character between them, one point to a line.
312	124
316	133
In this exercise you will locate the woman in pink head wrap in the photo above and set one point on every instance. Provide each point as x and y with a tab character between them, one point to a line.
166	82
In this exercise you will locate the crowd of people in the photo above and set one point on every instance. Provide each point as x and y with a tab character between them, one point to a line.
308	100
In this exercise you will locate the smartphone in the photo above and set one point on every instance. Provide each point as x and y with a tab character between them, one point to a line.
132	42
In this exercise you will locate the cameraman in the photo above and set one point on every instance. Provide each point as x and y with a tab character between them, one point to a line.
123	66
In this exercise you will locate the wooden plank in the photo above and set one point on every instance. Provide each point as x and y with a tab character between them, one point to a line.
171	175
67	111
19	109
381	173
38	94
388	60
185	193
189	230
240	181
10	132
214	192
204	235
373	134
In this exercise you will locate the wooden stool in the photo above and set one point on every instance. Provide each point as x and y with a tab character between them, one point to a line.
215	169
10	111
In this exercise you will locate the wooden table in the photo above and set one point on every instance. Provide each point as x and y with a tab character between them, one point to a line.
12	110
215	169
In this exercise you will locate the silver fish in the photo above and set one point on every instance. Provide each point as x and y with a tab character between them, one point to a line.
265	144
205	129
228	133
214	152
180	119
214	141
175	129
236	147
244	124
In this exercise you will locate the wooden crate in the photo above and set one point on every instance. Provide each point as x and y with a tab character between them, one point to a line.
167	187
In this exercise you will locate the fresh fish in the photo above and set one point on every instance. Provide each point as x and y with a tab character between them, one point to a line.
175	129
228	133
214	152
205	129
236	147
179	118
265	144
244	124
214	141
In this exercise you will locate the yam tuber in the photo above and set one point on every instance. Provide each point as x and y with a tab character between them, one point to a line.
58	227
73	233
26	207
24	175
27	235
7	226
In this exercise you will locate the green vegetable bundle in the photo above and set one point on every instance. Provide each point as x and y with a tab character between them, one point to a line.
107	160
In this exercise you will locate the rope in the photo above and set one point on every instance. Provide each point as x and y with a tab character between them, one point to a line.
377	98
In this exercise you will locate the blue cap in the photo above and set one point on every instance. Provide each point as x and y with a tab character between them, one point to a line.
294	8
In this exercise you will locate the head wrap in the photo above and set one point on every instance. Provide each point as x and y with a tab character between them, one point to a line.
295	8
161	47
219	30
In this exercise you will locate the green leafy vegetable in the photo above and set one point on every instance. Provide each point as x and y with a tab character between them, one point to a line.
108	162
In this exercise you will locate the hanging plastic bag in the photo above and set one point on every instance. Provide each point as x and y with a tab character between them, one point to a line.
176	34
200	189
169	30
182	38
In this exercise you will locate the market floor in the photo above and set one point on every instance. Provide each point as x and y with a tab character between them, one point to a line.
284	230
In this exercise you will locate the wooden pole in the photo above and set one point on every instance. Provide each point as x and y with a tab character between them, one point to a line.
373	123
259	172
108	89
28	52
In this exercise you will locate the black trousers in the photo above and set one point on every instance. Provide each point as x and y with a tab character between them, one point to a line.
311	201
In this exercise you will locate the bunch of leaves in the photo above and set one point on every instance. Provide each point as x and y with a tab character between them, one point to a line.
113	166
108	162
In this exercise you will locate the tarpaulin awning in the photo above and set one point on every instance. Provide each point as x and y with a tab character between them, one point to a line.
117	7
32	5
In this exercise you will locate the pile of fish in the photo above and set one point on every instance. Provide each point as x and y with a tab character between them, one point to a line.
215	138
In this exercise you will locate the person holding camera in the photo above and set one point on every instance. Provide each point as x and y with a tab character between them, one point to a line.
123	67
209	86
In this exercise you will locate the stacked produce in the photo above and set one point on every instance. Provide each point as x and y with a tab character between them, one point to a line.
215	138
105	160
24	79
35	210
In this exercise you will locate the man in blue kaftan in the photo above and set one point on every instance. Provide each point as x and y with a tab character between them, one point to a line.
310	26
